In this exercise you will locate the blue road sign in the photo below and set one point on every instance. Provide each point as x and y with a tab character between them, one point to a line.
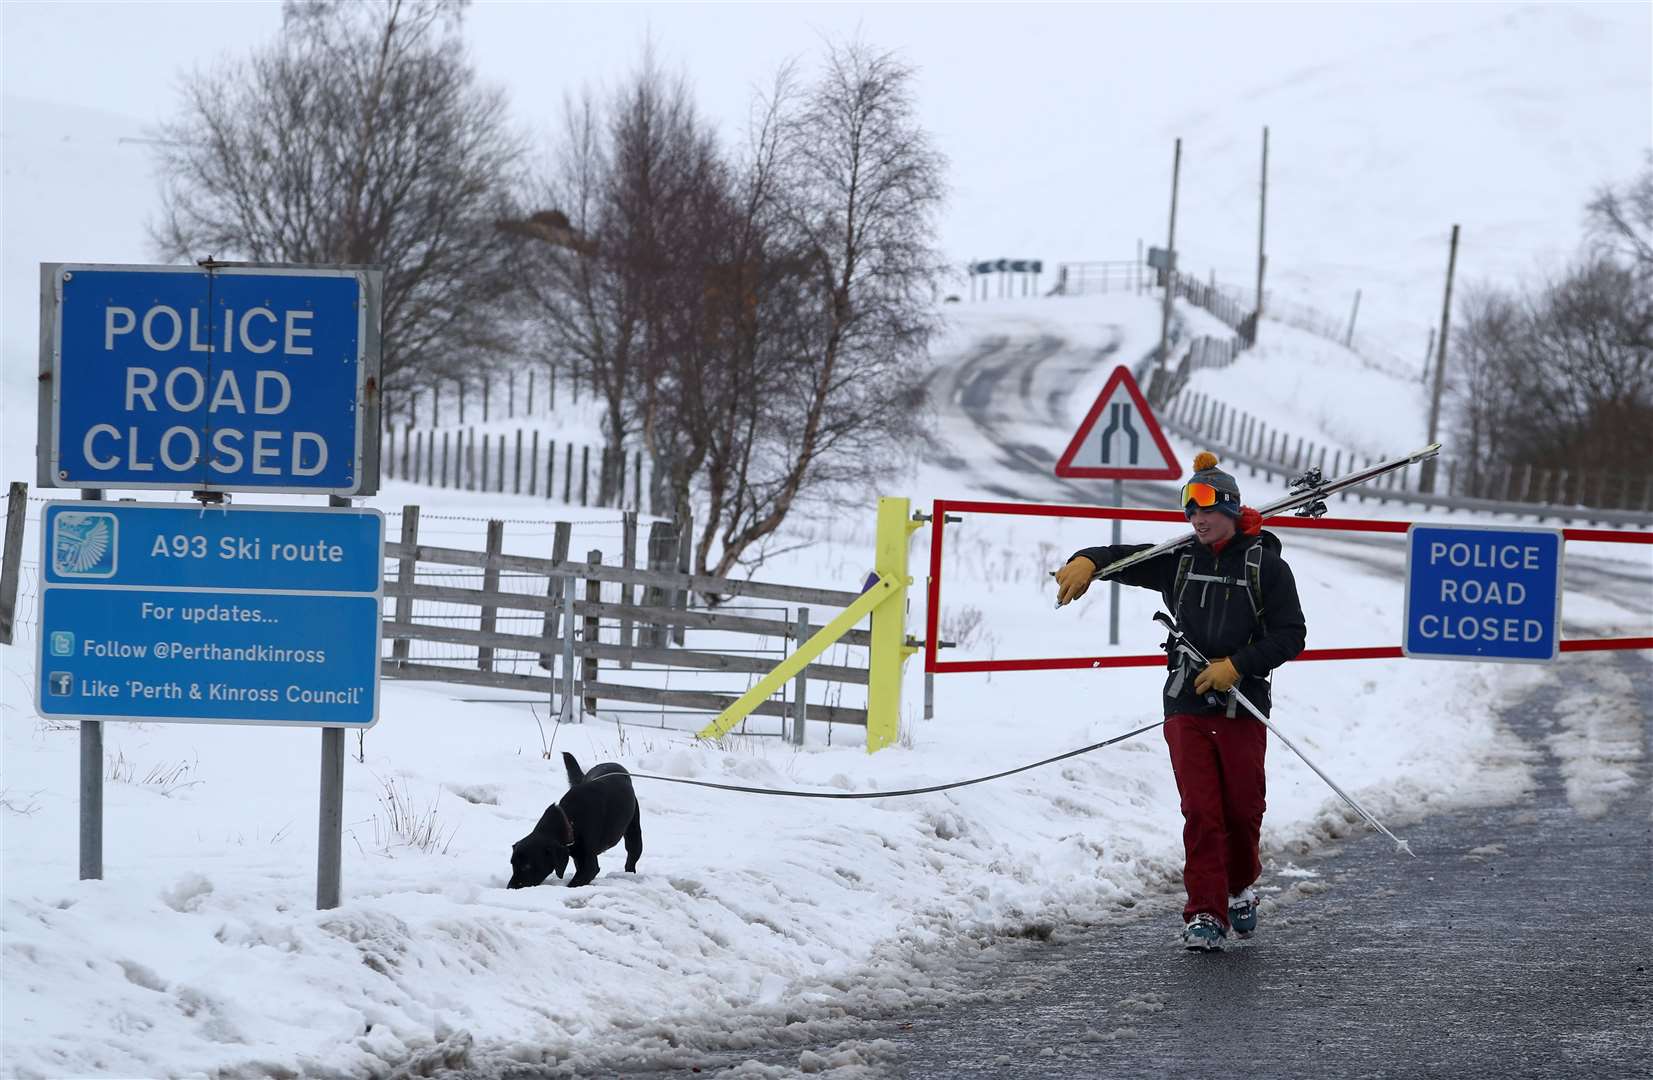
1483	592
228	379
169	612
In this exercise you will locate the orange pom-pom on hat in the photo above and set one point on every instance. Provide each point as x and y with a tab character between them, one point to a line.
1203	460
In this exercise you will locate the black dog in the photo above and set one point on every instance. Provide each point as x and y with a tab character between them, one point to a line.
598	810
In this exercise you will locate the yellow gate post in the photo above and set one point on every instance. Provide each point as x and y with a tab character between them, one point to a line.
886	600
889	625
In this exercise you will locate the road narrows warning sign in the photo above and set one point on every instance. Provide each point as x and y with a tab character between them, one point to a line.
1119	439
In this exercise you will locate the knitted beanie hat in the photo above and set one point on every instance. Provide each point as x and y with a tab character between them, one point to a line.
1206	472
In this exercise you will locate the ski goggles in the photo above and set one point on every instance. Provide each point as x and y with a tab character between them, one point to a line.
1201	495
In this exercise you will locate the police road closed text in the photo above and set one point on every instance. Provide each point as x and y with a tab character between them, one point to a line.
180	378
1483	593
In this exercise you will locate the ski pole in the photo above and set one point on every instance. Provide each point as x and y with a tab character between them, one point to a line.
1187	649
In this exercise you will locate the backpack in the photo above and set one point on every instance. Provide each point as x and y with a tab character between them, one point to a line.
1253	580
1254	591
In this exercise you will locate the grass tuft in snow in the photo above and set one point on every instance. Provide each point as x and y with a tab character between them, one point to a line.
165	778
403	824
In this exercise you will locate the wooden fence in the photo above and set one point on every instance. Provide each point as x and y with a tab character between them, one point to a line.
513	463
588	630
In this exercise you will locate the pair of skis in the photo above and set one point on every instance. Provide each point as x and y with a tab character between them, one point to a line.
1307	498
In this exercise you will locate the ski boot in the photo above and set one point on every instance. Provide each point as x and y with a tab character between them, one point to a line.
1242	913
1203	933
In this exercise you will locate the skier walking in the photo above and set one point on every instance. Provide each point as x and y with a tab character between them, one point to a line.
1235	598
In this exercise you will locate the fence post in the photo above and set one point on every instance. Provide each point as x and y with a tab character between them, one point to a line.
800	685
555	586
685	544
485	453
499	483
533	460
628	559
470	460
588	666
444	455
585	473
516	466
568	473
620	474
568	713
17	508
407	569
490	583
661	556
407	444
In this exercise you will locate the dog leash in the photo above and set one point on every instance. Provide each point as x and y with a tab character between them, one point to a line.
888	794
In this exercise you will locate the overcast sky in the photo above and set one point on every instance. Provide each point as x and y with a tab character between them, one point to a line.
1058	119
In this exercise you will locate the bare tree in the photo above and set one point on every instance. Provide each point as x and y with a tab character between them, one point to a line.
845	204
616	285
1621	221
361	136
1483	393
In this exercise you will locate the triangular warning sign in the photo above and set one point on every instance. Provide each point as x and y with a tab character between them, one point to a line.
1119	438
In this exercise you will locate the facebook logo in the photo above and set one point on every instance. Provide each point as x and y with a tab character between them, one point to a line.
60	683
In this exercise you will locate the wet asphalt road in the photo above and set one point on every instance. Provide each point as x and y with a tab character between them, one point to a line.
1519	943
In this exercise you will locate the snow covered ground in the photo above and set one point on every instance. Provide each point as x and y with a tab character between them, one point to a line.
200	953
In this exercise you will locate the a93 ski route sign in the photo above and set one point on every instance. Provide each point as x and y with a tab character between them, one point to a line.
1483	592
266	615
200	379
1119	439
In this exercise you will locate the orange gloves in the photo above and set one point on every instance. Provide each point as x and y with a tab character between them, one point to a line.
1219	675
1073	579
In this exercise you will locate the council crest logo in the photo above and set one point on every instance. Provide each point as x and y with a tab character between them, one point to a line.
83	545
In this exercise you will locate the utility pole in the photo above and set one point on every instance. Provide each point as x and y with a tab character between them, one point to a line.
1428	476
1428	352
1171	266
1262	220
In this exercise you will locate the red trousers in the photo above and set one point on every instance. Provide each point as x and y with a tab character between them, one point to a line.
1218	763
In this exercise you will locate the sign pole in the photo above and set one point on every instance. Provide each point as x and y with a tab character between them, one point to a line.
1113	586
91	780
1171	265
330	819
1427	477
330	838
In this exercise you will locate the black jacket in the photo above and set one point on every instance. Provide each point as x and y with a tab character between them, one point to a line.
1219	619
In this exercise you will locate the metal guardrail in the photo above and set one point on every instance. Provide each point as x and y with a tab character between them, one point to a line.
1541	511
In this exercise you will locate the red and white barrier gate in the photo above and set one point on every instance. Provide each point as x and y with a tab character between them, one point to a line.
943	507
